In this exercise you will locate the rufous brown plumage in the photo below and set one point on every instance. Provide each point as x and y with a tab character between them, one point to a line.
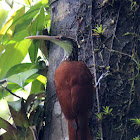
73	82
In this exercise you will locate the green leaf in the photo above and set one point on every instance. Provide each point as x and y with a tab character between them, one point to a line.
32	97
99	115
18	113
31	78
108	68
36	116
2	47
3	93
19	36
3	13
16	105
47	22
14	54
20	21
33	50
8	29
32	11
44	2
25	22
136	122
38	24
99	30
10	129
5	136
103	30
21	77
18	69
28	2
38	86
14	87
127	33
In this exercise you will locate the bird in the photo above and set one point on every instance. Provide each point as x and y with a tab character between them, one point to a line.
74	88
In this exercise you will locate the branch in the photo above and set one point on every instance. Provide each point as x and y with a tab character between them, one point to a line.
3	81
13	93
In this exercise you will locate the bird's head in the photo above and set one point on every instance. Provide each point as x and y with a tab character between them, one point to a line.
69	45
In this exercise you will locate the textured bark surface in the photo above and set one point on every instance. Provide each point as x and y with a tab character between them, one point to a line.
116	60
65	17
119	89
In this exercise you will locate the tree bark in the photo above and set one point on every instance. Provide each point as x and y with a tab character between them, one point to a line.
113	59
65	16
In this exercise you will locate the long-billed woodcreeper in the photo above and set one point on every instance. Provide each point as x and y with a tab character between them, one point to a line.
73	83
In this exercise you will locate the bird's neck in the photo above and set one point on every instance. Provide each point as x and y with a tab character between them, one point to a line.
70	48
71	56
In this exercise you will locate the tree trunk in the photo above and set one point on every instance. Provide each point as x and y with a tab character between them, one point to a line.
113	59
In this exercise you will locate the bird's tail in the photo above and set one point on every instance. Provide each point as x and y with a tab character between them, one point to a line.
78	128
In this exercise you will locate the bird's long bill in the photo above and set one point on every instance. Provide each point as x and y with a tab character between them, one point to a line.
44	37
65	44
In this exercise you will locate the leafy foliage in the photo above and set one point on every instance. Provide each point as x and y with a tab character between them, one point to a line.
136	122
134	6
136	138
100	116
19	111
99	30
16	72
107	110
